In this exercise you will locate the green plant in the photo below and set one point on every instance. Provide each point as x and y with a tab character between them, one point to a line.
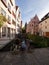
17	41
2	20
38	41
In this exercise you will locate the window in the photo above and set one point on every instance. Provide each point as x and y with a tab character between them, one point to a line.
41	23
45	21
3	12
3	31
18	30
9	7
13	14
8	32
13	22
45	27
11	2
4	2
48	14
18	25
9	18
32	24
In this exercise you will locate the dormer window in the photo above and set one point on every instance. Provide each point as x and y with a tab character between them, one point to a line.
48	14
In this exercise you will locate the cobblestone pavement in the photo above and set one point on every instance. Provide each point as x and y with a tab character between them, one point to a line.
37	57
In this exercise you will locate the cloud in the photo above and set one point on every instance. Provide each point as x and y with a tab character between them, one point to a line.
31	7
28	11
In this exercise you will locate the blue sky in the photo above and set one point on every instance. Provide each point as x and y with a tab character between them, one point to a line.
29	8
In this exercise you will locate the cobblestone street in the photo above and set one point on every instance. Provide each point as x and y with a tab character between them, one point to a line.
37	57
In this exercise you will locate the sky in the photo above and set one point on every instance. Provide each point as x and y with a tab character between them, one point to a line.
30	8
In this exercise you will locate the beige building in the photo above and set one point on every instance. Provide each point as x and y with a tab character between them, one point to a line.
32	26
44	26
8	9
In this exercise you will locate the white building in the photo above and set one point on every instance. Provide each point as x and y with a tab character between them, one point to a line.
7	8
18	20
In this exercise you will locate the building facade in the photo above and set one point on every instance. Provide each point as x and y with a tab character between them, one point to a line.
8	9
18	20
44	26
32	26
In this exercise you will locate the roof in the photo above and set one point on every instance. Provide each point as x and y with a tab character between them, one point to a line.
45	17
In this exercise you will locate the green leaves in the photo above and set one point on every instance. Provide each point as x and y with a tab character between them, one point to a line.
1	23
38	41
2	20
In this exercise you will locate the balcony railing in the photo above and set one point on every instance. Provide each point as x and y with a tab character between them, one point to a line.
11	2
8	22
4	2
9	10
13	22
14	14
